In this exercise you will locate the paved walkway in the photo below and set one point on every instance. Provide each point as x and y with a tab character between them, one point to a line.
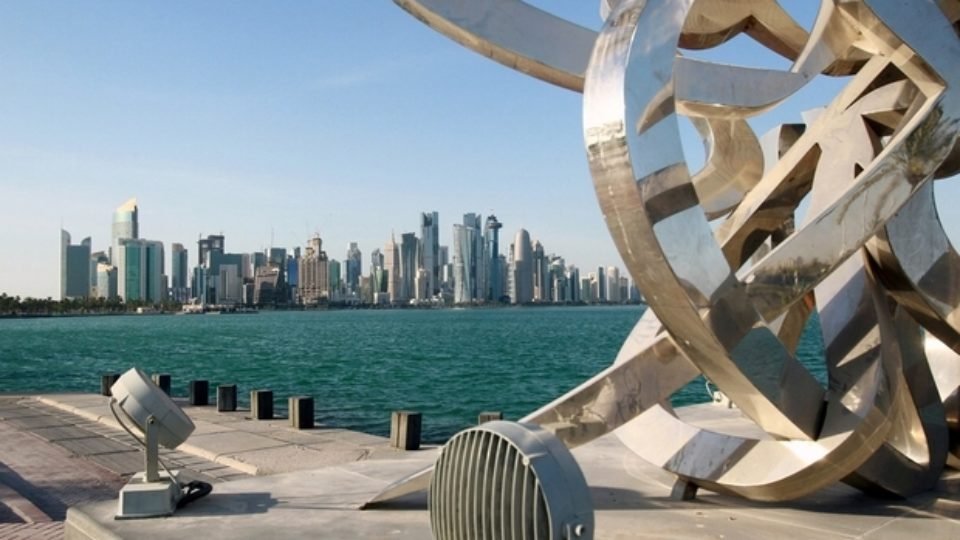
272	481
58	451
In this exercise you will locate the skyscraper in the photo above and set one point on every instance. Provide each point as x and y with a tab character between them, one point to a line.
354	264
126	224
106	281
522	269
392	267
74	267
207	246
430	250
541	277
613	285
601	285
140	270
313	268
409	257
492	240
469	263
179	269
333	278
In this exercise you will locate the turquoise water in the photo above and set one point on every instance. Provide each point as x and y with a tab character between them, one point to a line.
358	365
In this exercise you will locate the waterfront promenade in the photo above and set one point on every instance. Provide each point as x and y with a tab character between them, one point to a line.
60	451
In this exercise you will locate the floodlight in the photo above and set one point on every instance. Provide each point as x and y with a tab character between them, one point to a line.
509	480
151	493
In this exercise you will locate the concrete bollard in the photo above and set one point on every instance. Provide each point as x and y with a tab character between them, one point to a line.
226	398
261	404
163	381
489	416
199	393
301	412
405	430
106	381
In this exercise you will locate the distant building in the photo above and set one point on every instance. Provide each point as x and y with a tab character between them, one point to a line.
106	281
267	285
314	279
207	247
495	282
392	268
229	290
126	225
96	258
469	263
573	279
522	292
179	276
140	274
613	285
430	250
586	291
601	280
74	267
353	267
409	263
541	274
333	278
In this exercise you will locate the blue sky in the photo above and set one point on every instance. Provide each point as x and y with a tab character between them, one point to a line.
277	119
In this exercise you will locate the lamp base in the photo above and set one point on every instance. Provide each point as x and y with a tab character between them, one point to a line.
142	499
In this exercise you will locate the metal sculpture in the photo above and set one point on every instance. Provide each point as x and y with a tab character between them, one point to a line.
731	279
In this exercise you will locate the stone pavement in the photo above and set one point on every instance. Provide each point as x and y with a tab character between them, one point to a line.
58	451
276	482
631	499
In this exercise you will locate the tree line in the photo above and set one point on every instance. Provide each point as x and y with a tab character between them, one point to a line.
16	306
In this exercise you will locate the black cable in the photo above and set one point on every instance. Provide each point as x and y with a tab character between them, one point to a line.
193	491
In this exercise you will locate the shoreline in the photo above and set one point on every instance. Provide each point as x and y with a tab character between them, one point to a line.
327	307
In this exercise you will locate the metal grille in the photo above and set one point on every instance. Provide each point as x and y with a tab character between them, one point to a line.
485	487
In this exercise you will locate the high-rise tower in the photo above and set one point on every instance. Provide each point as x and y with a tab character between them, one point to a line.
522	269
392	268
126	224
430	250
74	267
492	240
354	264
409	255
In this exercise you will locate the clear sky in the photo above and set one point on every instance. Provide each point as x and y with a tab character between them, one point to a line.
269	121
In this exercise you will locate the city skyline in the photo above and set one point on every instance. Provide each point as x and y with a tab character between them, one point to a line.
282	120
421	270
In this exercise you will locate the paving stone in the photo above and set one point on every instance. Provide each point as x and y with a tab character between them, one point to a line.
232	442
39	421
122	463
95	445
32	531
61	433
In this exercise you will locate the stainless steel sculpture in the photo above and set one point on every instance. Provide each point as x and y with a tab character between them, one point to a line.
730	269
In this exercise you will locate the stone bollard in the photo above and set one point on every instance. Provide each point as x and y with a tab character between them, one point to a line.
489	416
261	404
106	381
226	398
199	393
163	381
405	430
301	412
